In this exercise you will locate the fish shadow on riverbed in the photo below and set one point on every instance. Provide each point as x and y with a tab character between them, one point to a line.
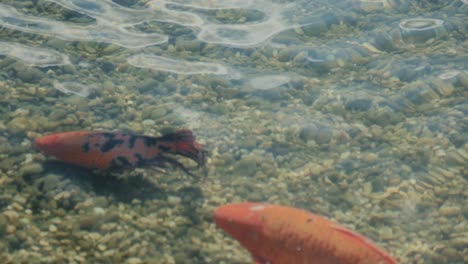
60	177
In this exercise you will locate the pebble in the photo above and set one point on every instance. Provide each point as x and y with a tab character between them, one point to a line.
57	114
247	166
359	105
102	247
30	75
53	228
148	123
19	125
321	134
133	261
308	132
449	210
12	216
173	200
3	224
460	242
158	113
99	210
31	168
10	229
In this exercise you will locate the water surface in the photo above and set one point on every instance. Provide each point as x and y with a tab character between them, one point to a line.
352	109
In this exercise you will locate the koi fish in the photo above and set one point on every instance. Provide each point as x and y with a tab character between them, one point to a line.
285	235
107	150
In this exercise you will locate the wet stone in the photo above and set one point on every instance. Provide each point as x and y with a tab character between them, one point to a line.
30	75
57	114
158	113
148	86
359	105
247	166
248	142
3	225
189	45
107	67
18	125
8	163
31	168
320	134
308	132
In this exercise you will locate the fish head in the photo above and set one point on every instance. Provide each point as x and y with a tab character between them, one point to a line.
56	144
48	143
242	221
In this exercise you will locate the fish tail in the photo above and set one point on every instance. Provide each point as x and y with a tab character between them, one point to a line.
182	142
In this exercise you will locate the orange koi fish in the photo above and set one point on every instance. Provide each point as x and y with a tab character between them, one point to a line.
107	150
285	235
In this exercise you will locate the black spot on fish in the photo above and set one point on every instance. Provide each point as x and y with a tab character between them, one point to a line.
85	147
309	220
111	142
164	148
120	161
150	141
131	141
140	160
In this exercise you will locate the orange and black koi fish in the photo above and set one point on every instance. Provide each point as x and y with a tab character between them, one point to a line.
285	235
107	150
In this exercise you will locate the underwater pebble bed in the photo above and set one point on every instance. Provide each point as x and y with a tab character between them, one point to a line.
363	122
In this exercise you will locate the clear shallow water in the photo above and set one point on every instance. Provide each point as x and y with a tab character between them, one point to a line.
355	110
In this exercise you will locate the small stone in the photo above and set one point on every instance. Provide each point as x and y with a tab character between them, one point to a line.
321	134
12	217
148	123
308	132
133	260
247	166
10	229
460	242
99	210
449	210
3	224
44	243
53	228
158	113
30	75
30	169
19	125
57	114
189	45
102	247
173	200
358	105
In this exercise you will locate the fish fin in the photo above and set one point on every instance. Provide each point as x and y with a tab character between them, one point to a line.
260	260
182	142
161	162
364	242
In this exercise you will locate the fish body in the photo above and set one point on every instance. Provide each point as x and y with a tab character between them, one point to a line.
107	150
285	235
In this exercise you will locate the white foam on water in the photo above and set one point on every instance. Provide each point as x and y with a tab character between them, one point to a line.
122	16
73	88
237	35
449	75
33	56
179	66
100	32
209	4
420	24
113	20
